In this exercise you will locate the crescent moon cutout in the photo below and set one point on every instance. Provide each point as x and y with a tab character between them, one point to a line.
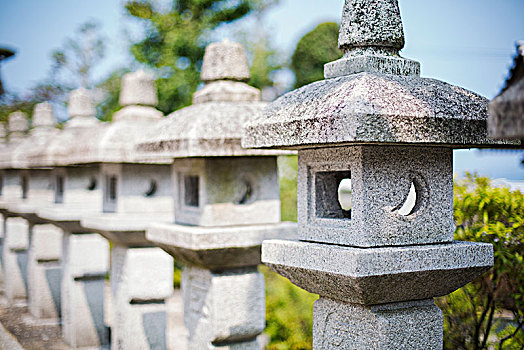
409	204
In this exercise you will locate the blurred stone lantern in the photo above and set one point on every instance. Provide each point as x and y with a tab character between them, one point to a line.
85	255
135	194
15	229
226	202
42	274
377	260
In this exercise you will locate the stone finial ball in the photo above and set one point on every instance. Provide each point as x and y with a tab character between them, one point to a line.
225	60
138	88
43	115
371	23
18	122
80	104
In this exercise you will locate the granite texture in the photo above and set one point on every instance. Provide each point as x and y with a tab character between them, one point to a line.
386	64
138	88
217	248
506	113
375	23
225	60
210	129
372	276
223	308
373	108
226	191
408	325
381	177
226	91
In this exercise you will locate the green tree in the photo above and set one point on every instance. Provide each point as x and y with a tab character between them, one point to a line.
175	41
315	49
79	55
109	89
489	312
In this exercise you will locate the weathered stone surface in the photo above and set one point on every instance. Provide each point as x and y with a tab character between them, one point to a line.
217	247
506	113
141	281
211	129
381	177
348	65
409	325
223	309
225	61
373	108
378	275
226	191
138	88
375	23
85	264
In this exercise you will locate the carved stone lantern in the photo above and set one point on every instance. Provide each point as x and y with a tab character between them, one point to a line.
226	202
378	258
135	194
44	241
85	255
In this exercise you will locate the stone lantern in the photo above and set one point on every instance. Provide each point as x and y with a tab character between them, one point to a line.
44	241
135	194
15	229
226	202
85	255
378	258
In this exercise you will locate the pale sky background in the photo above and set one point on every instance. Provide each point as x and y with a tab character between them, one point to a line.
470	43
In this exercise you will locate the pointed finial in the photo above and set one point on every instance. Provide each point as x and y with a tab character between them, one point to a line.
371	23
371	36
138	88
80	104
43	116
225	60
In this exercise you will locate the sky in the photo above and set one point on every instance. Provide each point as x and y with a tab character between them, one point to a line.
470	43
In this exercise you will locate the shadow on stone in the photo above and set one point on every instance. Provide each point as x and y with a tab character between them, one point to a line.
54	281
94	292
154	324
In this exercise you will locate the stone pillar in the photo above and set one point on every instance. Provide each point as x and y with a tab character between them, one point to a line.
14	256
85	262
44	272
375	188
141	281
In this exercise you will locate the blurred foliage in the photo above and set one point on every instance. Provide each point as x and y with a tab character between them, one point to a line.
175	41
489	312
287	169
79	55
289	313
315	49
